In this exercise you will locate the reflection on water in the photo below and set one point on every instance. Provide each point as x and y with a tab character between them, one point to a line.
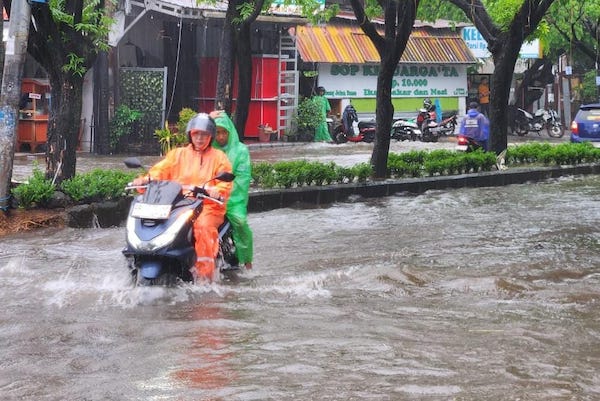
474	294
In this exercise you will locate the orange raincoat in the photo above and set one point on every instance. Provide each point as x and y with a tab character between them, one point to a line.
190	167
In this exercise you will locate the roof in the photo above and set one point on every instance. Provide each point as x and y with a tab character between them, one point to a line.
348	44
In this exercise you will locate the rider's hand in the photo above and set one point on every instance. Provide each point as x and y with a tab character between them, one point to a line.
214	193
140	181
215	114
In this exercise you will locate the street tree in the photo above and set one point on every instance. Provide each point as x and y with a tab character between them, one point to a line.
65	40
505	25
399	17
236	50
575	30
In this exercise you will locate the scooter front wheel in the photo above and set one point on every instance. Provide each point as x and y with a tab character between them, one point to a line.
555	131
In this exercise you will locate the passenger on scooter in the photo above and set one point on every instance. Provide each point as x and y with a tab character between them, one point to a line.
476	126
196	164
227	140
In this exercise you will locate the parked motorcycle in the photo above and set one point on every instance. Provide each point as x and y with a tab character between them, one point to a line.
366	133
448	125
159	231
428	126
405	130
526	122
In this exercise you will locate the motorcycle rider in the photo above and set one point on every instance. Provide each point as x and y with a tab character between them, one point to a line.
349	116
227	140
476	126
194	165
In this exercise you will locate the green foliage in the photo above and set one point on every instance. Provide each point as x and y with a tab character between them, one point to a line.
122	123
544	153
97	185
589	90
299	173
185	115
75	65
144	90
308	114
36	192
94	26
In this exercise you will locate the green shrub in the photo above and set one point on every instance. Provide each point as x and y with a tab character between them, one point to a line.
36	192
185	115
122	123
97	185
362	171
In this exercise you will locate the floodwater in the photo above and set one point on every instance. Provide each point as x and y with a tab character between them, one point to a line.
469	294
347	154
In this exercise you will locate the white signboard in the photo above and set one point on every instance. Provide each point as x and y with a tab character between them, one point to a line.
478	46
410	80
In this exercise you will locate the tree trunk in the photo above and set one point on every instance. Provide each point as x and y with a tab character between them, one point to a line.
63	126
505	58
244	66
226	62
101	136
1	41
384	115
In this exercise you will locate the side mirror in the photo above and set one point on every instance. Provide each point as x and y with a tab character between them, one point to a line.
225	176
133	162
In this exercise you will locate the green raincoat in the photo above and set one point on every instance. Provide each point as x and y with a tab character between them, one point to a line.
237	205
321	131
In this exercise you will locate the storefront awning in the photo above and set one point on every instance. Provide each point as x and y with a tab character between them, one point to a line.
338	44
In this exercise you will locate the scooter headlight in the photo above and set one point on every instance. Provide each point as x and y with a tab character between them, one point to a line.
159	241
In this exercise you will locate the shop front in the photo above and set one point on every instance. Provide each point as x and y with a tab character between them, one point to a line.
434	65
262	112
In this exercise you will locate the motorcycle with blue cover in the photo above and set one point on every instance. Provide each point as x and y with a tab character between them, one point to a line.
160	235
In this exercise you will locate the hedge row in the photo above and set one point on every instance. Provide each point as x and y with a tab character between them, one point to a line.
108	184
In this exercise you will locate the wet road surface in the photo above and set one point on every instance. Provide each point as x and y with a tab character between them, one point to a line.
470	294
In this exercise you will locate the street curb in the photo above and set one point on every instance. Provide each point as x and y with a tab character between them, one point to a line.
107	214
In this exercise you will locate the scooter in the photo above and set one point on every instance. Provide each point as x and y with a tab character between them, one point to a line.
448	125
467	144
429	128
159	232
542	119
405	130
366	133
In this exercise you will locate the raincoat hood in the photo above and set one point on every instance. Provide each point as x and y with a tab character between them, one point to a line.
472	113
239	156
225	122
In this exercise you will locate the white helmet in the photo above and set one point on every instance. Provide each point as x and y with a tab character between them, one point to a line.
202	122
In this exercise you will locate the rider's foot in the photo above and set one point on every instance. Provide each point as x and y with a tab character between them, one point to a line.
248	265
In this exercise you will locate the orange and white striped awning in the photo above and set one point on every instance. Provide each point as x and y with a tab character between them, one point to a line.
343	44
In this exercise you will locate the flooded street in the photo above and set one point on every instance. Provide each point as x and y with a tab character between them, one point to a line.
469	294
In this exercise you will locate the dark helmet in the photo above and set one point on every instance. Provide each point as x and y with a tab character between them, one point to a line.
320	89
203	122
473	105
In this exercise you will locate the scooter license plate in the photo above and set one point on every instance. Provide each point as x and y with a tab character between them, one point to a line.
150	211
461	148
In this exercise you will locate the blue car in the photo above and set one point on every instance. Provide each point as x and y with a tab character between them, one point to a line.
586	125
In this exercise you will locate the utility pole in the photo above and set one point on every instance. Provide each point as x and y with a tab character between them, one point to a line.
16	48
